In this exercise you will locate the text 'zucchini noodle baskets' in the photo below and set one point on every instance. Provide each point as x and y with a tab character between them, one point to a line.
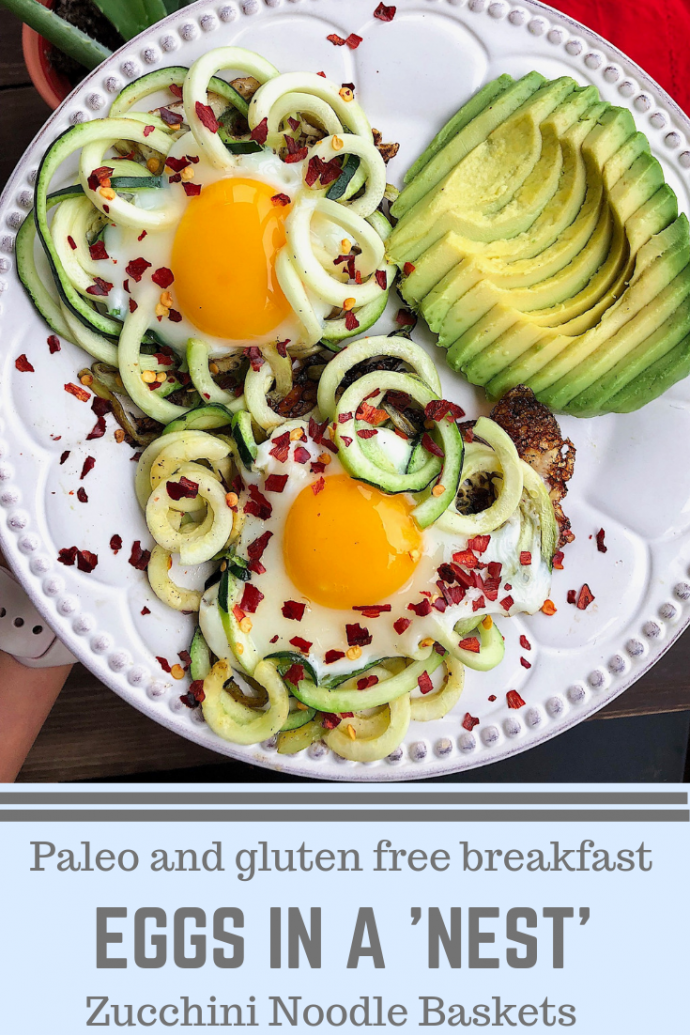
357	541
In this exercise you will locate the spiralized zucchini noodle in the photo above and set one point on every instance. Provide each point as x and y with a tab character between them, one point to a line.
200	473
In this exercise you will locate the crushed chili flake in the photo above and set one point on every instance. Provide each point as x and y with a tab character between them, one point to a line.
437	409
296	156
316	430
275	482
336	40
281	349
585	598
524	643
133	306
386	14
100	288
164	664
508	587
255	357
371	414
431	446
424	683
440	604
408	268
514	700
367	432
301	455
318	486
67	556
294	610
281	199
353	41
478	543
351	321
274	639
23	365
357	635
329	720
163	277
177	164
81	495
184	489
175	317
172	118
53	343
302	645
204	113
366	682
64	456
571	596
99	177
333	655
401	625
257	567
466	558
478	604
97	250
72	243
176	90
494	569
139	558
192	190
421	609
372	610
469	722
145	611
404	318
98	430
251	598
258	505
525	557
281	447
260	132
141	237
89	465
148	130
115	543
558	560
295	674
507	603
601	546
549	608
382	279
136	268
343	418
238	613
525	663
470	643
86	561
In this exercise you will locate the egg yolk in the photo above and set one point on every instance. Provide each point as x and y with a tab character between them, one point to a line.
224	260
350	544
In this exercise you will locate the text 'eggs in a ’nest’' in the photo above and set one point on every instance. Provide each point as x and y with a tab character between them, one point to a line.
221	247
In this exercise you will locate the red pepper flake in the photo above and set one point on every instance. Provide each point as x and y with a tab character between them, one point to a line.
139	558
301	455
558	560
172	118
492	697
351	321
136	268
164	664
238	613
357	635
507	603
343	418
251	598
192	190
367	432
176	317
387	14
366	682
508	586
372	610
549	608
100	177
469	722
98	430
275	482
382	279
421	609
100	288
23	366
176	90
371	414
601	546
81	495
89	465
337	41
478	543
260	132
437	409
571	596
97	250
316	430
204	113
408	268
281	447
353	41
141	237
295	674
525	557
424	683
255	357
281	349
470	643
524	643
478	604
401	625
67	556
72	243
514	700
318	486
148	130
302	645
163	277
585	598
177	164
115	543
330	720
145	611
494	569
257	567
281	199
274	639
345	439
525	663
431	446
182	490
293	610
258	505
404	318
86	561
333	655
466	558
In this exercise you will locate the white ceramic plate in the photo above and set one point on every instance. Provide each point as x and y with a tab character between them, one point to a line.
631	478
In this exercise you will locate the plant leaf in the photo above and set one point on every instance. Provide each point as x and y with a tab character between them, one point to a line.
130	17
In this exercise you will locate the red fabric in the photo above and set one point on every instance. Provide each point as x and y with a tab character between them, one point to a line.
655	35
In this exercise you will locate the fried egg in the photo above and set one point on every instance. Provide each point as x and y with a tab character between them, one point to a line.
221	248
344	574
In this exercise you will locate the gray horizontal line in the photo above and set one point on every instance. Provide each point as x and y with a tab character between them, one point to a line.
330	798
345	816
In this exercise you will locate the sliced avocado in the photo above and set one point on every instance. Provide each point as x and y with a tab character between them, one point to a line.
469	111
654	381
469	136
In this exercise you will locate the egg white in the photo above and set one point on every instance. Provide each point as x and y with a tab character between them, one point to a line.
324	627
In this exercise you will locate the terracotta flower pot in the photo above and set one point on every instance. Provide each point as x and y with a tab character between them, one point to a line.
53	86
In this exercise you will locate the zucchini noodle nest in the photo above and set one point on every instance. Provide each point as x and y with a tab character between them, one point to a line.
237	439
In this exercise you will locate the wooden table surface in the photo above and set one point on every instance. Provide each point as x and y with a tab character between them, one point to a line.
92	733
